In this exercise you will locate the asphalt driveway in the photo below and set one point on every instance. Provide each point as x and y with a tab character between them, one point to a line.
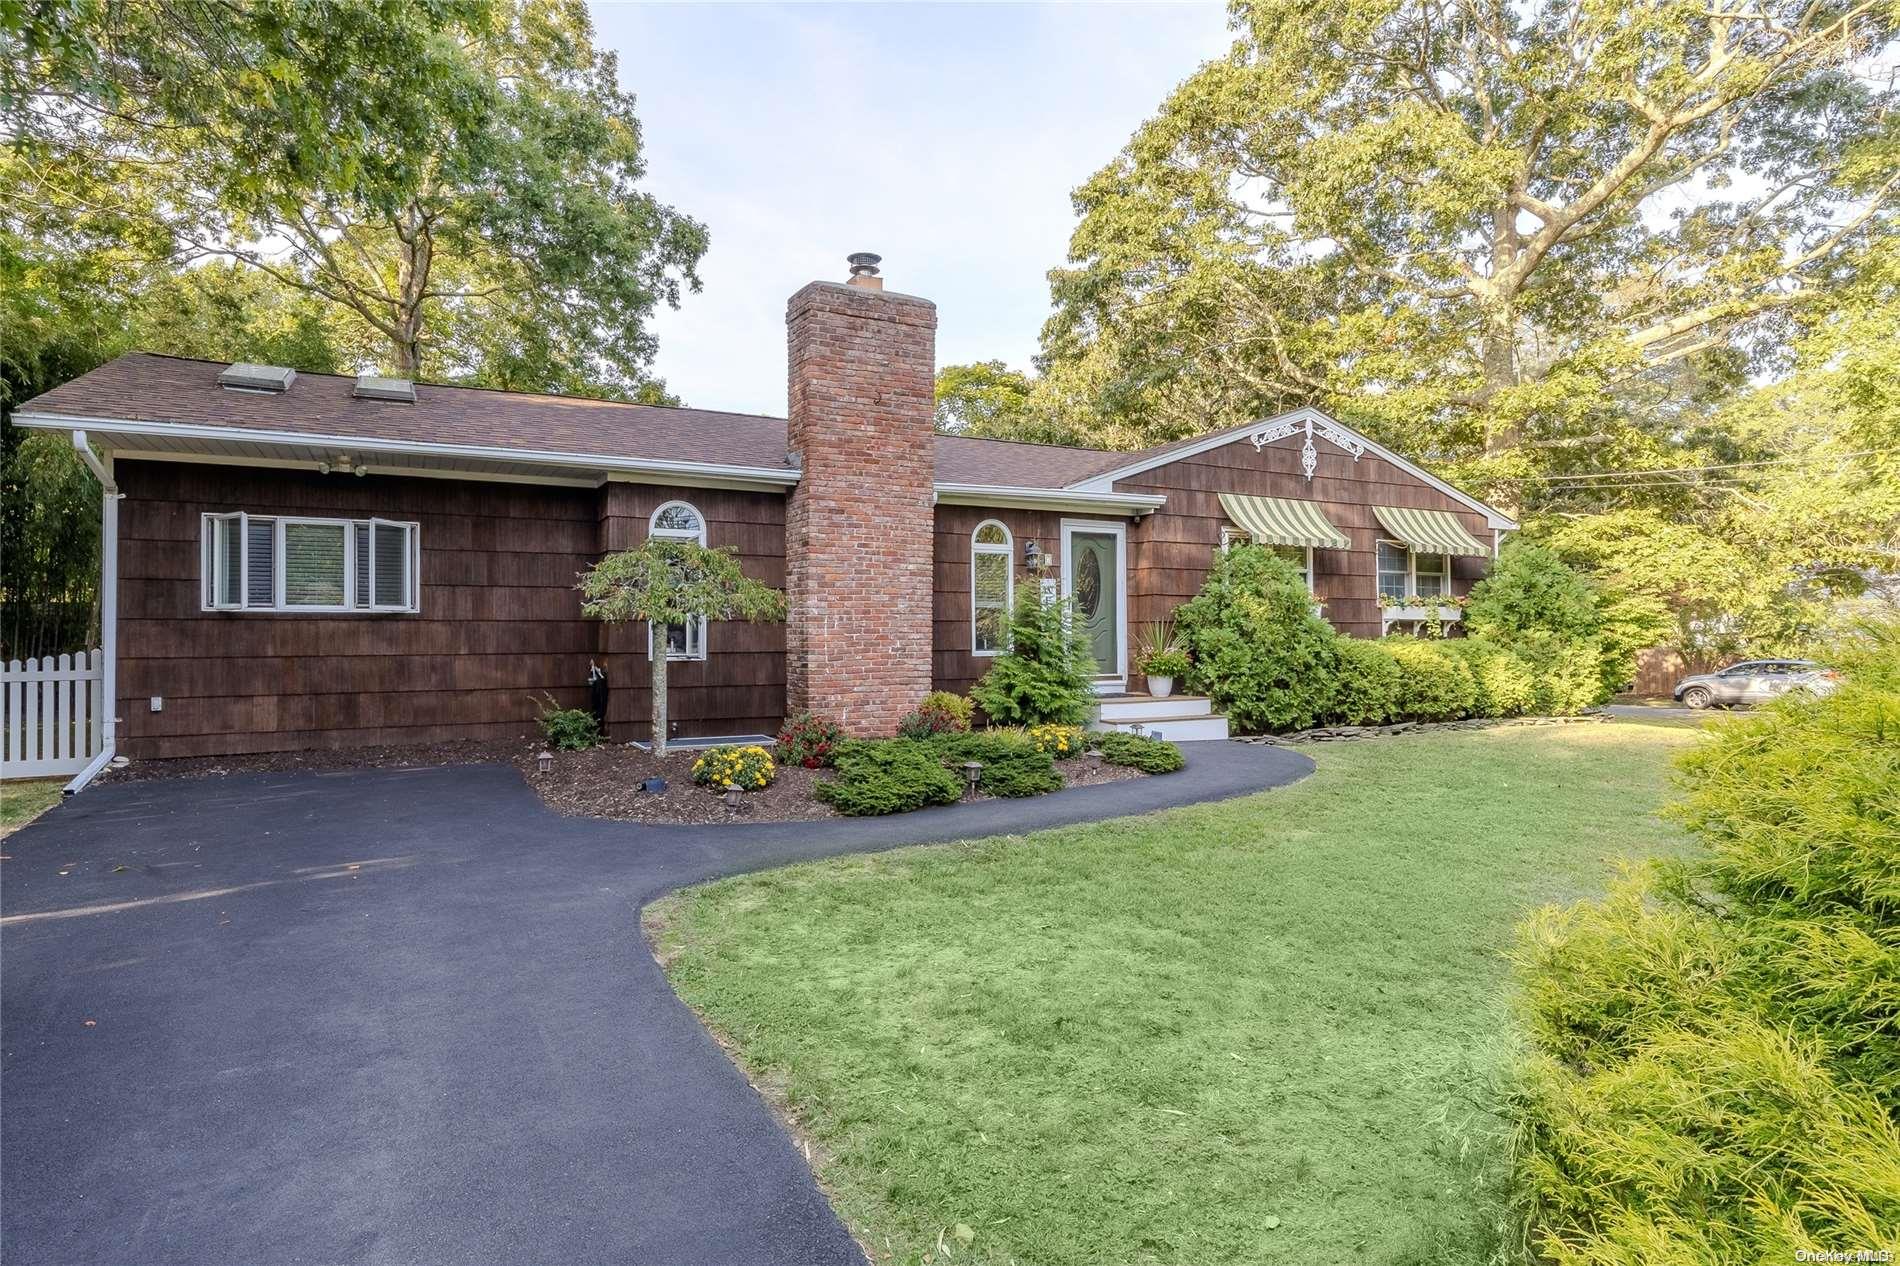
404	1017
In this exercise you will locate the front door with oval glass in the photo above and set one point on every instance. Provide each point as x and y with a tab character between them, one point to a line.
1092	579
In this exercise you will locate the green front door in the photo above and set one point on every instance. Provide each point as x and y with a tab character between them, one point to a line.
1094	585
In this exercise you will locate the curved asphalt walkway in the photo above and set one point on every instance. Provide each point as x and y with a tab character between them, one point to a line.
405	1017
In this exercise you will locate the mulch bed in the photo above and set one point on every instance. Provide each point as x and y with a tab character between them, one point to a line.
602	783
605	783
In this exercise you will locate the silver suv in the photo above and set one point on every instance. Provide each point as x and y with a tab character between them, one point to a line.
1755	681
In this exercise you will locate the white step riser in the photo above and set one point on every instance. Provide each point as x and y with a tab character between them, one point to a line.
1142	709
1179	730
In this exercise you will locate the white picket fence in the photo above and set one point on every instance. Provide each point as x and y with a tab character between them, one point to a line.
51	714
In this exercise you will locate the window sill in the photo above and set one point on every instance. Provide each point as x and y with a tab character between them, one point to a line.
1411	611
326	611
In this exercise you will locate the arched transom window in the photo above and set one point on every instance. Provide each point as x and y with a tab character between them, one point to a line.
992	587
680	521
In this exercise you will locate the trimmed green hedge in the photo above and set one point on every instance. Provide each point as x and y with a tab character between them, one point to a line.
1269	663
1366	681
1433	685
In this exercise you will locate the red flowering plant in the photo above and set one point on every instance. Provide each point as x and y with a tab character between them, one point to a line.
809	740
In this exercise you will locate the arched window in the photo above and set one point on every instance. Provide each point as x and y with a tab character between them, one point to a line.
680	521
992	587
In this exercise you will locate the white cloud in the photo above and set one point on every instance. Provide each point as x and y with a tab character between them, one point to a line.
946	138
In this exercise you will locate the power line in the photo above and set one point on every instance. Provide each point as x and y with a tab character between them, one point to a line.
1640	472
1686	485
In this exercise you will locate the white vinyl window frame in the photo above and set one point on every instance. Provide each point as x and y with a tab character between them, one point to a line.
1231	536
990	549
693	642
1411	572
215	558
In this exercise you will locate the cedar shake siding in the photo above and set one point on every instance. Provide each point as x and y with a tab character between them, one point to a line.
852	506
953	665
1171	550
500	620
739	688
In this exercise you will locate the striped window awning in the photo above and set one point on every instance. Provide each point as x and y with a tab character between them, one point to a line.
1430	531
1277	521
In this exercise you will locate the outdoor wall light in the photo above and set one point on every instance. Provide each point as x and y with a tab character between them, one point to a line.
545	761
1032	556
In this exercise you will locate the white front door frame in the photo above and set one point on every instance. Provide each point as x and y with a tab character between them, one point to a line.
1116	682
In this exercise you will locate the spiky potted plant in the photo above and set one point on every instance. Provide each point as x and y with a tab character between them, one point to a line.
1159	657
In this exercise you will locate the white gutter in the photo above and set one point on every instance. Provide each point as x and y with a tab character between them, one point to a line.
776	476
108	613
1135	503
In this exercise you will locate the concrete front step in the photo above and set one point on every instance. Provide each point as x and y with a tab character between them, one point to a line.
1141	707
1196	727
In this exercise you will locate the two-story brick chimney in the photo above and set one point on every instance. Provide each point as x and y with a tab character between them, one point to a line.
858	529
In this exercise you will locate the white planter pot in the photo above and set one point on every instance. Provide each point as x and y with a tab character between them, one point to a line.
1161	687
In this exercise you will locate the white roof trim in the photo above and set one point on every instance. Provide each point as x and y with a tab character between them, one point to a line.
1235	434
1106	501
774	476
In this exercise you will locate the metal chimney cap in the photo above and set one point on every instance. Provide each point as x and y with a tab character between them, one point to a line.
863	263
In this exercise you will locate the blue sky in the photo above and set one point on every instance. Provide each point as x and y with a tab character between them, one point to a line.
947	138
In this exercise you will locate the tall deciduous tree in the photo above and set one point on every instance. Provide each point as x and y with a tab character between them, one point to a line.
460	176
980	398
1466	224
663	582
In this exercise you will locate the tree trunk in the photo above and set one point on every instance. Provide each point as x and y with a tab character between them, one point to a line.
1500	326
412	282
1500	372
656	654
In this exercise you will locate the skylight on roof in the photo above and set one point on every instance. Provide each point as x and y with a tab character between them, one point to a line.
248	377
372	387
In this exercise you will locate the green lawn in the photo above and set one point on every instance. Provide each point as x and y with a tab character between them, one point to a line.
21	802
1259	1031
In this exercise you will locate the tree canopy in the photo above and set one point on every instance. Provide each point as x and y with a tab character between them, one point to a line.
1628	270
1471	227
456	180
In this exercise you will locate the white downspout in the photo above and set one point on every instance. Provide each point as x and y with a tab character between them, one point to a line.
108	611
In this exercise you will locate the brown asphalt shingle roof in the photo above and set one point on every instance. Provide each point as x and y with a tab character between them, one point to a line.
140	386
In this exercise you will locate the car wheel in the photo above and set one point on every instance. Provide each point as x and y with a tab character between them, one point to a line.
1697	697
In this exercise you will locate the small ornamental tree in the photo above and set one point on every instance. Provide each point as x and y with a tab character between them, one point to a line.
665	582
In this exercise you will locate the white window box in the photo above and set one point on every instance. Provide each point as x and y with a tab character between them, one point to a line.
1444	613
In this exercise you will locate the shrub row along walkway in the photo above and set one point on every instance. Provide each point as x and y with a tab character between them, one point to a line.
407	1016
